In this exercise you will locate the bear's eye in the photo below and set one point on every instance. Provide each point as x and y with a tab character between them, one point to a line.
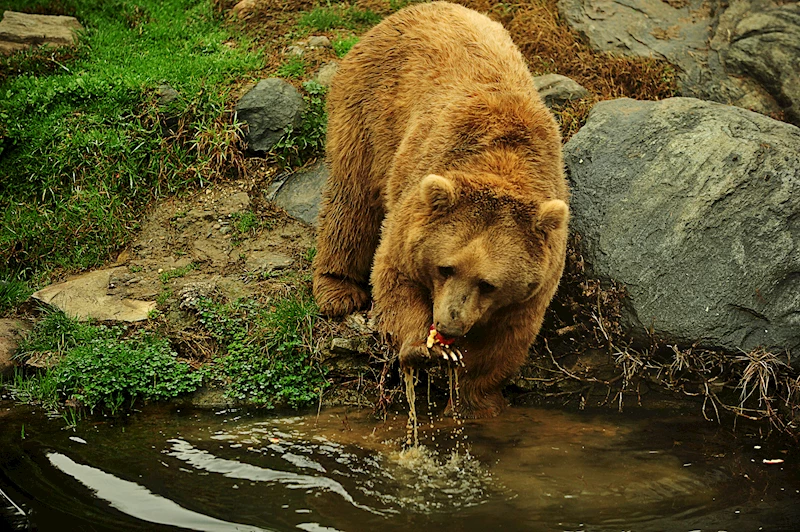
446	271
486	288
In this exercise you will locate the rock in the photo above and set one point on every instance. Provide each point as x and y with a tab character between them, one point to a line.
742	52
12	332
268	109
349	346
556	89
166	95
245	8
260	260
694	207
295	50
319	41
325	74
766	47
301	193
86	297
20	31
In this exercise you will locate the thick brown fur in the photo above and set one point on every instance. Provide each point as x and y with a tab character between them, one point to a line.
446	195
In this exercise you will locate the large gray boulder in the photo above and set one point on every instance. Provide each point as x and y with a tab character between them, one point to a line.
269	109
740	52
695	208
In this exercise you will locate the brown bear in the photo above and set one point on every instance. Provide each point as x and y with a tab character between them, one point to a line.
446	194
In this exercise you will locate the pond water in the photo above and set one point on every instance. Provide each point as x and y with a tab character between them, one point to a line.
171	468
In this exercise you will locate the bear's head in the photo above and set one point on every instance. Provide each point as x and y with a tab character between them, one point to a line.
480	248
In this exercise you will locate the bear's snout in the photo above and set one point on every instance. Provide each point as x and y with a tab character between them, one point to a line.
452	324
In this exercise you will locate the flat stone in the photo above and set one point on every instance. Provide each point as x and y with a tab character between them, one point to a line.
301	193
20	31
319	41
86	297
12	332
267	261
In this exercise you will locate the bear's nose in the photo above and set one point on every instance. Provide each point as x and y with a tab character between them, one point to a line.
451	330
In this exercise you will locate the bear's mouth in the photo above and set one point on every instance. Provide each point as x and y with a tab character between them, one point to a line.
435	337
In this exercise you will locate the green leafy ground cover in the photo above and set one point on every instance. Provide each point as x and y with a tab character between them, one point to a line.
99	368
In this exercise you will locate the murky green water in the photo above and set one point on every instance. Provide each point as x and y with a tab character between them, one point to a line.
531	469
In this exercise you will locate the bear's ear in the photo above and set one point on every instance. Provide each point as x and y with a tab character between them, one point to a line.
438	192
553	216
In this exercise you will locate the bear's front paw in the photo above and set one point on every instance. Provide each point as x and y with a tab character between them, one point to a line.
417	354
338	297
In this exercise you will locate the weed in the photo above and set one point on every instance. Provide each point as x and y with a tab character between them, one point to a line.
298	145
162	298
13	292
245	221
322	19
294	67
311	253
268	350
175	273
342	45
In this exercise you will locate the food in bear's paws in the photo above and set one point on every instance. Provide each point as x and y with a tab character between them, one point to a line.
444	343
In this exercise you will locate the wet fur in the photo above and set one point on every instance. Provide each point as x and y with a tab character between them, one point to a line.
440	89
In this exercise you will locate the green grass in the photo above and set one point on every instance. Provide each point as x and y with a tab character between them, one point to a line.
294	68
82	148
268	354
99	368
332	17
342	45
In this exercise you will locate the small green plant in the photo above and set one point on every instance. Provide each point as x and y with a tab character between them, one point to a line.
245	221
294	67
268	350
342	45
311	253
162	297
175	273
299	144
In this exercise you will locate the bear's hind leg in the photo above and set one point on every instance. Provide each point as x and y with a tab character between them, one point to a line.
349	227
